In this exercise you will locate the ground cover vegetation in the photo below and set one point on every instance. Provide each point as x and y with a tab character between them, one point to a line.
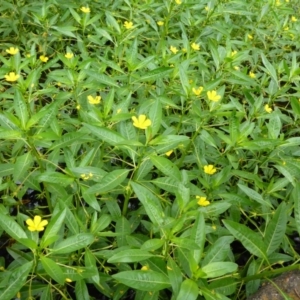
149	149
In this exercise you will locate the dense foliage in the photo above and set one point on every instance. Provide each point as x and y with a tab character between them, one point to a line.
149	149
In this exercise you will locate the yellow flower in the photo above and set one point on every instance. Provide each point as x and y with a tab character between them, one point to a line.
197	91
128	25
252	75
268	109
169	152
37	224
277	3
195	46
250	37
94	100
141	122
236	68
69	55
12	50
44	58
178	2
209	169
213	96
202	201
78	107
173	49
84	9
145	268
68	280
160	23
286	28
12	76
294	19
233	53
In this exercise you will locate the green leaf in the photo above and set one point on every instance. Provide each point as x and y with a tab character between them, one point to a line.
188	290
296	198
65	30
174	274
16	280
12	228
81	290
53	270
150	203
155	74
128	256
21	108
71	139
198	236
250	240
90	199
106	135
109	182
152	244
166	167
254	195
55	224
270	68
10	134
155	115
276	228
122	230
55	177
164	143
22	166
102	78
218	251
216	269
143	280
73	243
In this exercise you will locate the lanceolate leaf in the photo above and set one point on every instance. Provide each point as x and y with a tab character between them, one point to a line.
131	255
21	108
13	229
251	241
73	243
188	290
143	280
17	279
275	230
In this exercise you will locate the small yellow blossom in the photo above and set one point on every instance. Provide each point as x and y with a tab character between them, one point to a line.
145	268
252	75
169	152
197	91
119	110
28	55
86	176
178	2
268	109
69	55
68	280
44	58
287	1
233	53
141	122
214	227
277	3
213	96
195	47
250	37
294	19
12	76
85	10
37	224
209	169
94	100
286	28
173	49
128	25
236	68
160	23
12	51
78	107
202	201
